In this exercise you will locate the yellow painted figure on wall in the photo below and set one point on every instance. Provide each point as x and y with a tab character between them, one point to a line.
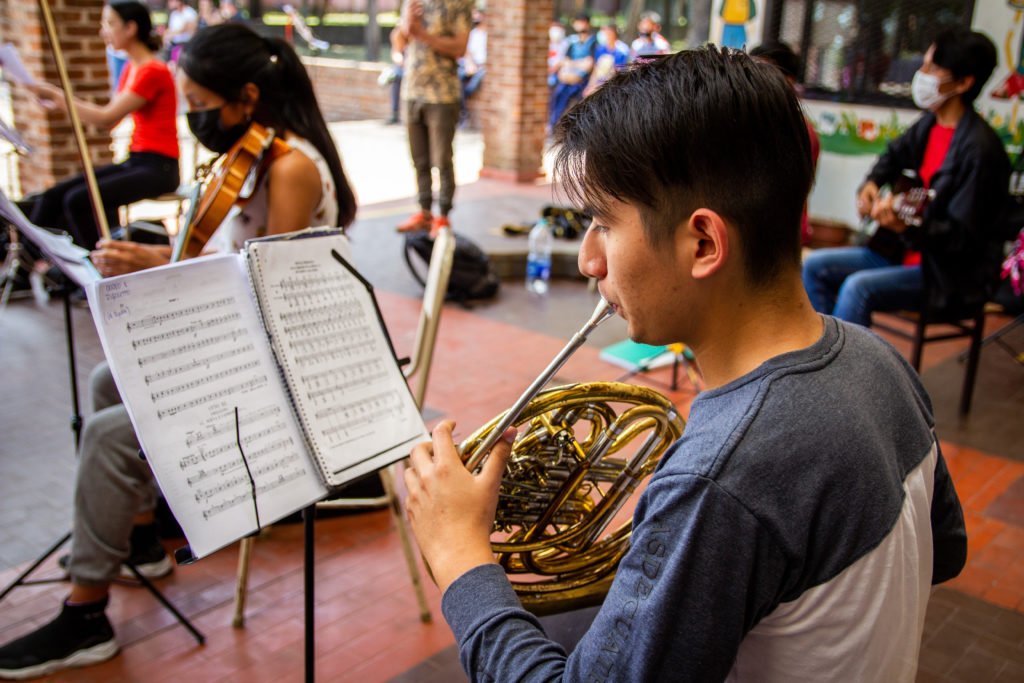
735	15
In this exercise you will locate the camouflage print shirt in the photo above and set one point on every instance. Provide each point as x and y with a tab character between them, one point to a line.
430	76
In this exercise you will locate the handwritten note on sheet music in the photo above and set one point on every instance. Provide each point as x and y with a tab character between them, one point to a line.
350	394
187	348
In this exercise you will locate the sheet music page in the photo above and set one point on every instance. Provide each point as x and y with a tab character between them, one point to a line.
14	69
349	392
187	348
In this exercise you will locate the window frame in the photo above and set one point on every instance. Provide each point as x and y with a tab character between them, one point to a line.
773	28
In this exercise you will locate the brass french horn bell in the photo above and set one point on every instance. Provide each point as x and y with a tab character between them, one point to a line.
581	452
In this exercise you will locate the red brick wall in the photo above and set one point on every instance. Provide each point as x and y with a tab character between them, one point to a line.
348	91
55	152
515	93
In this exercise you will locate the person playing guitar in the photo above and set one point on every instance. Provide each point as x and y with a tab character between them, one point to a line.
234	81
955	234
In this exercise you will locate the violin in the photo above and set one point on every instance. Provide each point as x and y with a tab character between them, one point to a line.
229	181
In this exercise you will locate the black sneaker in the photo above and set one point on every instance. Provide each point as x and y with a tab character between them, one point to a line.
145	552
81	635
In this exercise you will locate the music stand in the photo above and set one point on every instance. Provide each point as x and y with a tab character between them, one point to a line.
73	263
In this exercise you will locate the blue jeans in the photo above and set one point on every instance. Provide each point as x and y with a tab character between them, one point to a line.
563	95
851	282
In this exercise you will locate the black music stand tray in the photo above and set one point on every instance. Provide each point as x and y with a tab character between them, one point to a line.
76	275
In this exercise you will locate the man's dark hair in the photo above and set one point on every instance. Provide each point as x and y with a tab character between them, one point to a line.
701	128
582	16
966	53
781	55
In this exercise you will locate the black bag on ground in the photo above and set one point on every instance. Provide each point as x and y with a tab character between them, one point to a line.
472	275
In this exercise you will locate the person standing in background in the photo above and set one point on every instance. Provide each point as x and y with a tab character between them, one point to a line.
472	64
433	35
574	69
182	22
649	42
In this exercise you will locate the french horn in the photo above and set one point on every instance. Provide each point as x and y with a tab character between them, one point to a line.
581	451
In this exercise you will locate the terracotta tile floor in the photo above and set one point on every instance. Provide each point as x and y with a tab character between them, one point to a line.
367	627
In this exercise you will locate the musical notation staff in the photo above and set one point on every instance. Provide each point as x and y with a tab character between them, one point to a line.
226	505
191	328
356	345
228	467
228	425
231	335
342	379
344	417
334	317
196	363
177	314
247	385
206	379
205	455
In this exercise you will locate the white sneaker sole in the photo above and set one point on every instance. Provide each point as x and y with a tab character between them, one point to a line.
87	657
153	570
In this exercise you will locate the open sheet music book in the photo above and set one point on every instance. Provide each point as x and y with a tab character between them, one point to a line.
268	370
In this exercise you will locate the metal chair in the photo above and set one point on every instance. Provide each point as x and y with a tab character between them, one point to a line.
417	372
972	327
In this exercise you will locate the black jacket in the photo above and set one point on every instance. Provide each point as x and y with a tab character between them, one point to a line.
961	239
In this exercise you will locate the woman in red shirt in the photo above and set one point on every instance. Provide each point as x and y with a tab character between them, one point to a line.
146	92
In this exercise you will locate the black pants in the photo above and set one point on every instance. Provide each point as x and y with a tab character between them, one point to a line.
67	206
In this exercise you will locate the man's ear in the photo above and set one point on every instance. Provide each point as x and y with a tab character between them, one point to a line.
707	242
965	84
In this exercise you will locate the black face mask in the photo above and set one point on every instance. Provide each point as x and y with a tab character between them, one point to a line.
205	125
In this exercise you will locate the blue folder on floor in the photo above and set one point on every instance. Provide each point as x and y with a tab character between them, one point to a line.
634	356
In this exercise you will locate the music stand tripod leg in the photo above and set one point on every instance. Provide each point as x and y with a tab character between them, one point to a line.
182	619
20	581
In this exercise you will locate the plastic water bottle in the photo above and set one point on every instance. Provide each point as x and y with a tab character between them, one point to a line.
538	263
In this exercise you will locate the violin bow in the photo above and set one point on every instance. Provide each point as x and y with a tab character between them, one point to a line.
76	123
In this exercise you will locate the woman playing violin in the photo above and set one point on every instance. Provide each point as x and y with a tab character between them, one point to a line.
230	78
146	92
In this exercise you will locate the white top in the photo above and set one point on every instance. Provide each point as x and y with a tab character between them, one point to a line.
476	46
178	19
250	221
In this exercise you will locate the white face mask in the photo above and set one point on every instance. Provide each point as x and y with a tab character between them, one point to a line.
925	91
556	34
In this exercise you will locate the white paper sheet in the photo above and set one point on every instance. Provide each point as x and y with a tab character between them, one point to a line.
187	351
349	393
13	68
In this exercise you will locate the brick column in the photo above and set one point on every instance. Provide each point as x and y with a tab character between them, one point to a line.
55	152
515	92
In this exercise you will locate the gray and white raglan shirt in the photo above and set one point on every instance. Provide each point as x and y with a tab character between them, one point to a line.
792	534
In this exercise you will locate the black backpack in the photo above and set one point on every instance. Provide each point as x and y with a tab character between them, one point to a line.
472	275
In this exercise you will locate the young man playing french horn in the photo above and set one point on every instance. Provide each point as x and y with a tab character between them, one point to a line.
796	528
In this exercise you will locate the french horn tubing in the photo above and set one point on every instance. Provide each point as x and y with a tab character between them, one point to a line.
581	451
